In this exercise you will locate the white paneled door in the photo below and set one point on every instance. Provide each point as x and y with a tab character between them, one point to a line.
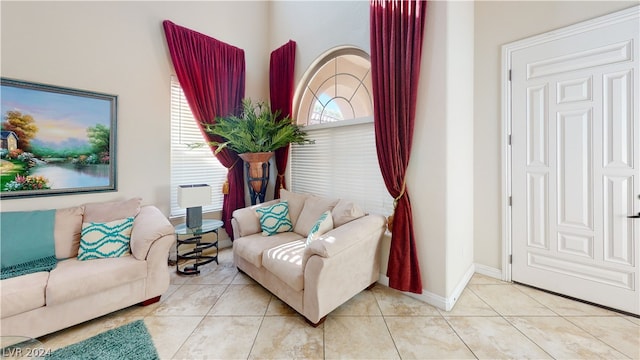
575	150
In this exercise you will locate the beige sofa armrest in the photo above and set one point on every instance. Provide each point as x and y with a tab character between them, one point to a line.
157	271
236	229
149	226
245	221
339	268
340	238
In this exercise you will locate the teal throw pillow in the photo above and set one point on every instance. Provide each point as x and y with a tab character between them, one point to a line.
322	225
105	240
275	219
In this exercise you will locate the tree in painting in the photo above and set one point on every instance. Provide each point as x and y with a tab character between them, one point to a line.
23	126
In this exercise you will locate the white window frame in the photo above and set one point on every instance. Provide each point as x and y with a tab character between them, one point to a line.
191	165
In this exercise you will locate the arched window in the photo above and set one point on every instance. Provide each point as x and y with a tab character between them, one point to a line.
338	87
334	102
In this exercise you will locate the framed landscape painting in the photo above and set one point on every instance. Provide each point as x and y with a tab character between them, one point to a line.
56	140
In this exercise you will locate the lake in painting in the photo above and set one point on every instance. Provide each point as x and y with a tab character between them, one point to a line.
62	176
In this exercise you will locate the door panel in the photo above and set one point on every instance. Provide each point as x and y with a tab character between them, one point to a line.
618	120
618	230
575	168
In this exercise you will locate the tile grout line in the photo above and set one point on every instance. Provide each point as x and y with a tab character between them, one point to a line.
518	329
187	337
255	338
384	318
486	303
595	337
511	324
152	313
561	316
203	317
460	337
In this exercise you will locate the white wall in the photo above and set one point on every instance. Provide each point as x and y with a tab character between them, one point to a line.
498	23
317	26
459	122
427	171
440	177
119	48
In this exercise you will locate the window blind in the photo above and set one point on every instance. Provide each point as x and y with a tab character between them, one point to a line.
342	163
191	165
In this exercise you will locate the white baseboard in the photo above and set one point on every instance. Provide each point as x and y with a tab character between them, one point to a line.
457	291
443	303
489	271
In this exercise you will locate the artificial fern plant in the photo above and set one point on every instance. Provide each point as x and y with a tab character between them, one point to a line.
257	129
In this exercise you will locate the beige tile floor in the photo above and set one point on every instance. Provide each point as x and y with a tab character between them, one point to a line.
222	314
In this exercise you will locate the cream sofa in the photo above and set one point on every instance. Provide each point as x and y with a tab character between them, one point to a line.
76	291
313	279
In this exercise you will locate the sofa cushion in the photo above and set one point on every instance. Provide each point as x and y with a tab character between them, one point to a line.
67	229
285	261
73	278
23	293
314	206
296	203
110	211
275	219
322	225
251	247
346	211
105	240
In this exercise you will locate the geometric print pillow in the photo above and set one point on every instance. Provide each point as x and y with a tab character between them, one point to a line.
275	219
324	224
105	240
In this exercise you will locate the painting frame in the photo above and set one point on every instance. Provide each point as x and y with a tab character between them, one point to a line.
76	150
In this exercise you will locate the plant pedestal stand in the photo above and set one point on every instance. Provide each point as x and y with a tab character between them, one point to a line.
258	169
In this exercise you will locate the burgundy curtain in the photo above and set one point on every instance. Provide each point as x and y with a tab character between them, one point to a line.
397	27
212	75
281	72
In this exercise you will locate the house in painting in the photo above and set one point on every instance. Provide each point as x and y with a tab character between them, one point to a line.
8	140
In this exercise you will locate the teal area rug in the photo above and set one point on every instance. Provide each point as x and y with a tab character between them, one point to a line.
131	341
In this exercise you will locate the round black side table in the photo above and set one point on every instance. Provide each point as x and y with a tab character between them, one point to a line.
194	237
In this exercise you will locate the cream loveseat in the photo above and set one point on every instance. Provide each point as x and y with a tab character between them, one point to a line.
313	276
75	291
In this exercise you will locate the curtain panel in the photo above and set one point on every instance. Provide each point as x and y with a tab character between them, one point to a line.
281	73
396	30
212	76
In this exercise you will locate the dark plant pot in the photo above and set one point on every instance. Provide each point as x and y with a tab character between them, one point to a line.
258	172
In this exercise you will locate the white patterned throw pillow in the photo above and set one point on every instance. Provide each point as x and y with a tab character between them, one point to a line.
275	219
324	224
105	240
